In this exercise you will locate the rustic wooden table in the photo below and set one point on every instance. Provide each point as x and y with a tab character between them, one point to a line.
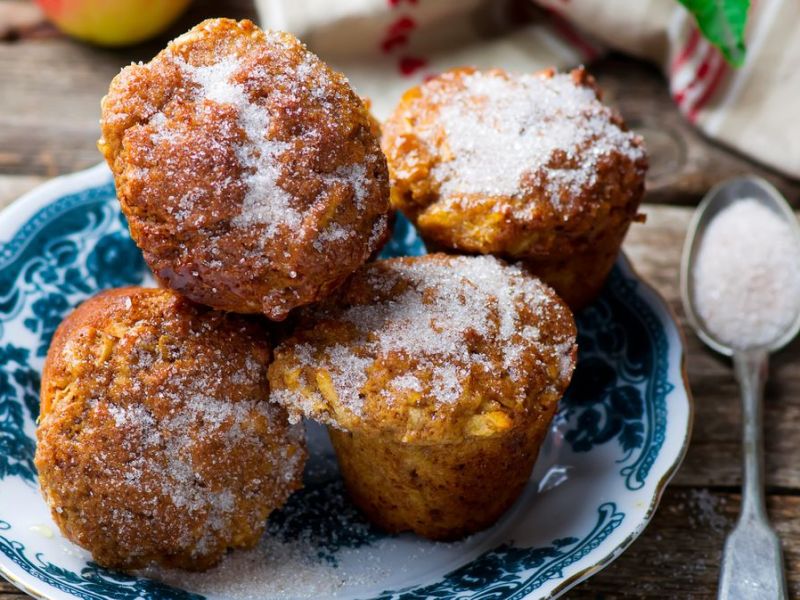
49	93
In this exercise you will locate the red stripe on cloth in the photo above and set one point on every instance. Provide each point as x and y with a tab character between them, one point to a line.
716	78
571	35
688	50
397	34
409	65
401	25
699	75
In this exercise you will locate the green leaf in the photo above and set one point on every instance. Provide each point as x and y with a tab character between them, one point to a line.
722	22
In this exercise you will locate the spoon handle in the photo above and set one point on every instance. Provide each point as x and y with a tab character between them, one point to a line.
752	563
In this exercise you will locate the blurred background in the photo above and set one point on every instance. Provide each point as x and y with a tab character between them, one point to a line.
51	85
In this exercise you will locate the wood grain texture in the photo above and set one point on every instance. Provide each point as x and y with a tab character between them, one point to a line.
678	554
9	592
49	105
50	89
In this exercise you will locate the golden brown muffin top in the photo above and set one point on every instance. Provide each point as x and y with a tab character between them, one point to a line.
239	158
156	440
429	349
533	148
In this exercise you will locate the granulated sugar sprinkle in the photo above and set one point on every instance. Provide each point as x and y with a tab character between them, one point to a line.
266	204
504	133
277	569
747	275
292	569
165	449
442	307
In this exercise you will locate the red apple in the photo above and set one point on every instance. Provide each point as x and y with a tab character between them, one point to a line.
113	22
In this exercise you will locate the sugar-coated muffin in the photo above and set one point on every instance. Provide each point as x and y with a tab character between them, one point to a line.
530	167
438	377
247	168
156	442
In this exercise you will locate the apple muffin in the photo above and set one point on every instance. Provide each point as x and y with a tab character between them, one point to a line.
247	168
156	441
438	377
532	168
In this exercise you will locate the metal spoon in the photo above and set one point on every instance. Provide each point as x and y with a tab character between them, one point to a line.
752	564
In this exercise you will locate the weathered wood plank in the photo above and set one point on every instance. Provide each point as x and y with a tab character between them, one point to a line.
9	592
50	91
48	122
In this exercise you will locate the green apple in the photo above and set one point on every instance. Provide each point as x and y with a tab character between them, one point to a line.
112	22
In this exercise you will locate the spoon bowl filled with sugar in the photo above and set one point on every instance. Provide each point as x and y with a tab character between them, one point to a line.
740	286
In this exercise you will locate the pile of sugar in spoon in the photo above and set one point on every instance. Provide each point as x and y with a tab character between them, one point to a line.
747	275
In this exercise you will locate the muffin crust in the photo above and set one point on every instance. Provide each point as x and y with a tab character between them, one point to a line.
438	377
530	167
247	168
156	443
427	350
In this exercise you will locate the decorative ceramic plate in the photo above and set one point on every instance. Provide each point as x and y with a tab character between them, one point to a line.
620	434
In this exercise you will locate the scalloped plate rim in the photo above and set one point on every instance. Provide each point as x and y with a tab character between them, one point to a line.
27	205
570	582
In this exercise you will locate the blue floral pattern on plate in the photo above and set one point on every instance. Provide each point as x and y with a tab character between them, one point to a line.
616	414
